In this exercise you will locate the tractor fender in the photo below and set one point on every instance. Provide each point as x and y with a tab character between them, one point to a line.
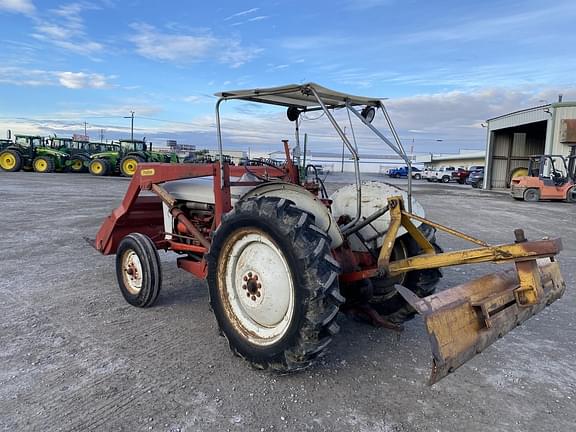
304	200
52	152
142	155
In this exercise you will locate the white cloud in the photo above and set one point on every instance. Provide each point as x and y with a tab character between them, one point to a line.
65	29
78	80
23	76
258	18
239	14
183	49
18	6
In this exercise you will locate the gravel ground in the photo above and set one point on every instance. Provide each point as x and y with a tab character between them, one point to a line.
75	356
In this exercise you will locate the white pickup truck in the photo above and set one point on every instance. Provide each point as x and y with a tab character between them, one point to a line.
443	174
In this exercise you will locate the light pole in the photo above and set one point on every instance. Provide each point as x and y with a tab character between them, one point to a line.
131	125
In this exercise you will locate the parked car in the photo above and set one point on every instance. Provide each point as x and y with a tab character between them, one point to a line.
476	178
443	175
403	172
425	174
461	174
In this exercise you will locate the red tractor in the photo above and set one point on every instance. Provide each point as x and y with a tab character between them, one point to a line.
282	257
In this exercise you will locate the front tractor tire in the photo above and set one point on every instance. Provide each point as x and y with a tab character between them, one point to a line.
10	161
99	167
386	300
273	284
77	165
129	164
138	270
43	164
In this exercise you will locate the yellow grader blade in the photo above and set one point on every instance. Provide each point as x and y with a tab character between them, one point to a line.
462	321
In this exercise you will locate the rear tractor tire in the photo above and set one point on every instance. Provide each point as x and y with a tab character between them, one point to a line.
10	161
386	299
273	284
99	167
138	270
43	164
129	164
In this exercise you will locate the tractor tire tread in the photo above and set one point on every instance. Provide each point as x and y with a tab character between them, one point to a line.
423	283
319	280
18	165
49	161
142	245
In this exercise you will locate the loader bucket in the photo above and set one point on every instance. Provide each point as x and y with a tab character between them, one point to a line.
462	321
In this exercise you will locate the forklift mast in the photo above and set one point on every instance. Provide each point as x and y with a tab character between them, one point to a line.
572	164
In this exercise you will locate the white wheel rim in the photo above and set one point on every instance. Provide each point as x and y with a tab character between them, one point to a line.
257	287
132	272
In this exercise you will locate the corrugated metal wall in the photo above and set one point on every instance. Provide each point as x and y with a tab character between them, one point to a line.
512	151
562	112
502	143
515	136
520	118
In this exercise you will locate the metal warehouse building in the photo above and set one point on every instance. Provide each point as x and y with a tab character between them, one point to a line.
513	138
463	159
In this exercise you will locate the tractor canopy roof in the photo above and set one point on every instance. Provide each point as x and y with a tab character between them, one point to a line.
300	96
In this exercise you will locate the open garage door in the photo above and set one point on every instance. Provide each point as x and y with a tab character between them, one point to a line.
511	149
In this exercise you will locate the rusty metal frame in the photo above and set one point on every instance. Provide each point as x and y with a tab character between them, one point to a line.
138	213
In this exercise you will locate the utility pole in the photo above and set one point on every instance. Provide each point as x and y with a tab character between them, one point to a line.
131	125
101	135
85	134
342	167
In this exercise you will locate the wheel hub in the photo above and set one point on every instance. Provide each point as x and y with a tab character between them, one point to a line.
132	272
252	286
258	286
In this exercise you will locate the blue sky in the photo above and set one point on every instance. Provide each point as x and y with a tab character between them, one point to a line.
446	66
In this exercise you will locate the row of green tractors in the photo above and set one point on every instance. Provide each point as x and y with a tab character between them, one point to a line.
56	154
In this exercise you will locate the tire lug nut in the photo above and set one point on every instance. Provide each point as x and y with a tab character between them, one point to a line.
255	277
253	298
258	294
259	286
244	286
248	294
245	278
249	274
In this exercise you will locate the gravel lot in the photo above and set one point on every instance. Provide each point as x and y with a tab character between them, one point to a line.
75	356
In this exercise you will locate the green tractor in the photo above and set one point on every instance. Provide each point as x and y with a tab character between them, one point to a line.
126	157
79	151
31	152
5	143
